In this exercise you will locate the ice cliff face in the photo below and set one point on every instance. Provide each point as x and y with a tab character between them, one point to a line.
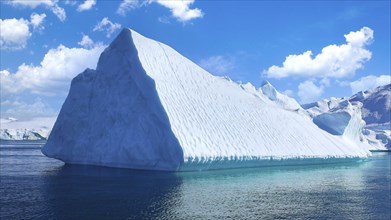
376	112
376	105
113	116
148	107
339	117
24	134
32	129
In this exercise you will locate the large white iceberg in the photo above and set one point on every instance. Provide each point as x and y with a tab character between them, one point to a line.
148	107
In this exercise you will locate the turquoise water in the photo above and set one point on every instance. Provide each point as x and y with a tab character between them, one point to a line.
36	187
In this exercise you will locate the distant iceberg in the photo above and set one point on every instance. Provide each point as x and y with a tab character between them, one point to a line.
148	107
26	129
361	118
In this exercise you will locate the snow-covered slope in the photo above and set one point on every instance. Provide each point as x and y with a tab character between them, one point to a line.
32	129
148	107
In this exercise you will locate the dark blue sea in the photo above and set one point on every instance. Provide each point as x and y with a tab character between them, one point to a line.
36	187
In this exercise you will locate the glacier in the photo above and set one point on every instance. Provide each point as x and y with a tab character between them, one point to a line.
37	128
148	107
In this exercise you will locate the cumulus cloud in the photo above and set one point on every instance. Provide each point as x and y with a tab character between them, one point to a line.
53	75
86	5
50	4
14	33
180	10
309	92
334	61
105	25
36	21
218	64
369	82
86	42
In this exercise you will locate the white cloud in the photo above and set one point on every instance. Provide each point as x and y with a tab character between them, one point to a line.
36	21
164	20
86	42
325	82
180	9
59	12
70	2
31	3
86	5
369	82
20	110
218	64
288	92
14	33
309	92
128	5
334	61
50	4
53	75
107	26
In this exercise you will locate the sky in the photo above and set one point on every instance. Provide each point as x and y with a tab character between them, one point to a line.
309	50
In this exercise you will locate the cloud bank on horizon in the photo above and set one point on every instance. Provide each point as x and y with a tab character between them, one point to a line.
33	86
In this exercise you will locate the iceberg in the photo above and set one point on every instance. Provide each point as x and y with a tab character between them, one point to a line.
342	119
362	118
377	115
148	107
376	104
31	129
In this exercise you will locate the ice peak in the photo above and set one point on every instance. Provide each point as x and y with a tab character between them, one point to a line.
269	90
121	48
266	82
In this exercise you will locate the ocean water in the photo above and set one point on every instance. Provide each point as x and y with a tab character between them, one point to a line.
35	187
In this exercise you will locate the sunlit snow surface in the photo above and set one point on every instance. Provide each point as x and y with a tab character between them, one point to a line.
148	107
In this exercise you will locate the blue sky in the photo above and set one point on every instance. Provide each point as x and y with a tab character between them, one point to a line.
307	49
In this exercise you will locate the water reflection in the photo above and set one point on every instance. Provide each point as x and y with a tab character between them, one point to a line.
99	192
281	192
33	186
